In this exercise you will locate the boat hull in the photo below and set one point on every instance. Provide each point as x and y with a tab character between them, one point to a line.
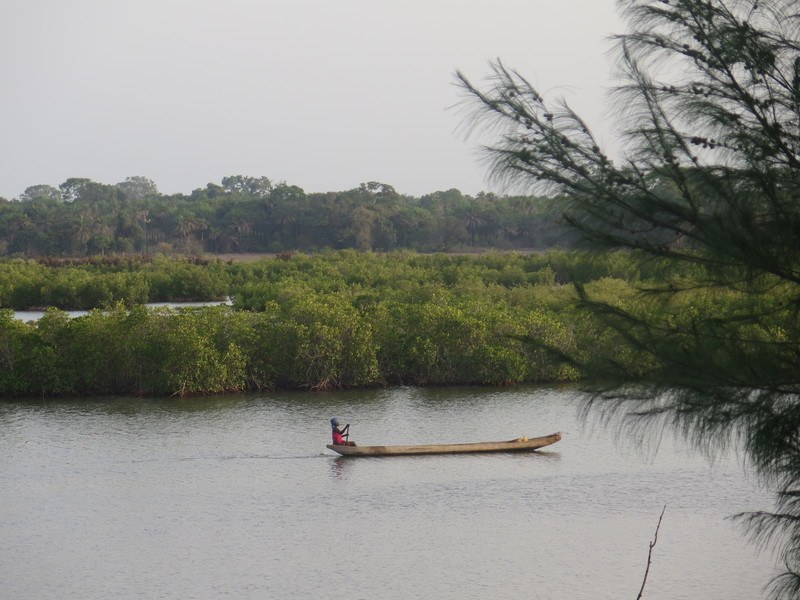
517	445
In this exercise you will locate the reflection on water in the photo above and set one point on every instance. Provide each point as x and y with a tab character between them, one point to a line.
237	496
339	467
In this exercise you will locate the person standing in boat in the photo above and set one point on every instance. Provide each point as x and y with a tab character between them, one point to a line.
339	435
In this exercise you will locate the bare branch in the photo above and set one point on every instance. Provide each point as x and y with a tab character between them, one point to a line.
650	554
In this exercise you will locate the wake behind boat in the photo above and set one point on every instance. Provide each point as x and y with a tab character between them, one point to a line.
522	444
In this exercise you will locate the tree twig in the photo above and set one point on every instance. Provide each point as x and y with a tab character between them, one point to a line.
650	554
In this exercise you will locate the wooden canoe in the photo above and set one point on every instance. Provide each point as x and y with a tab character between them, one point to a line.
516	445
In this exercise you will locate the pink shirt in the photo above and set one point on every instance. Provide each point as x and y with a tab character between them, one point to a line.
337	437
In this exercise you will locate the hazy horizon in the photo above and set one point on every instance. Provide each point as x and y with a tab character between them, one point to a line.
320	95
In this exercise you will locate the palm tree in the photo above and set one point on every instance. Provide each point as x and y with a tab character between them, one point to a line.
83	232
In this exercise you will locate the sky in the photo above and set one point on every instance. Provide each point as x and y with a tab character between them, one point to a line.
322	94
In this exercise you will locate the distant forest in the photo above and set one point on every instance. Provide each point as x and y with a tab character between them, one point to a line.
243	214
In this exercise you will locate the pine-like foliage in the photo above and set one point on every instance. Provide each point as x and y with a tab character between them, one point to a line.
709	175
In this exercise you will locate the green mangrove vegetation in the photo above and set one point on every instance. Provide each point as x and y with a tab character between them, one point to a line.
100	282
330	320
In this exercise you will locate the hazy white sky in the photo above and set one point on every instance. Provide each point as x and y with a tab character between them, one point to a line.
323	94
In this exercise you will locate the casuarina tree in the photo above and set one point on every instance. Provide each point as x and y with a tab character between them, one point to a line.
706	179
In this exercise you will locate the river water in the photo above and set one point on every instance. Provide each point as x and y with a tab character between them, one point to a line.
237	497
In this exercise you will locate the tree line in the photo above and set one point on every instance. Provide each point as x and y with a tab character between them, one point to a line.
245	214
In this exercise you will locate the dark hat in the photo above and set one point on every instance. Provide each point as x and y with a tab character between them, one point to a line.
334	422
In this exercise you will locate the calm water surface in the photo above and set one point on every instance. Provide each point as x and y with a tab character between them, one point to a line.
237	497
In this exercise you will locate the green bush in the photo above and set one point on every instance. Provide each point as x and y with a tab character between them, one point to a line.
334	320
